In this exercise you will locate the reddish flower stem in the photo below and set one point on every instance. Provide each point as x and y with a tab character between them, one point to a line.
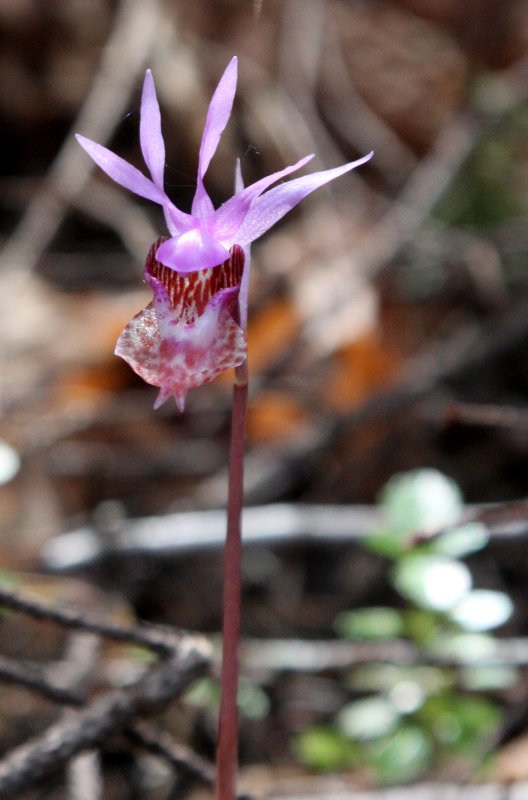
227	747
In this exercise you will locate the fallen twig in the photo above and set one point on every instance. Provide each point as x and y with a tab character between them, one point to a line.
275	524
295	655
91	727
135	33
181	758
33	677
156	639
425	791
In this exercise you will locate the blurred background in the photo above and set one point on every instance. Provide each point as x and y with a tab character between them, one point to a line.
388	328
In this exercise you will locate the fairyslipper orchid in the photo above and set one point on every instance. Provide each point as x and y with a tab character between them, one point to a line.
194	328
199	241
190	332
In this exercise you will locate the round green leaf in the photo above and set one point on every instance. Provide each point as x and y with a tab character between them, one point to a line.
403	757
432	581
492	678
462	541
204	693
324	749
421	500
465	647
461	721
368	719
482	610
253	702
370	623
387	677
422	626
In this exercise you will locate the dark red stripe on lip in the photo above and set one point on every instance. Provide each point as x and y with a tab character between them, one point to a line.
189	294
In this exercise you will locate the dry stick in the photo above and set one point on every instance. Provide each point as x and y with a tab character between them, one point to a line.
83	730
265	656
84	771
181	758
156	639
161	743
176	535
486	414
323	788
227	750
84	777
32	676
133	38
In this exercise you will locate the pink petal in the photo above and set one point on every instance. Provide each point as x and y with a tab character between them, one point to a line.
121	171
193	250
178	357
230	216
272	206
152	144
139	344
217	118
177	221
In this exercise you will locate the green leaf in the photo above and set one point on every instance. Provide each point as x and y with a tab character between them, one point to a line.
465	647
370	623
482	610
403	757
462	541
432	582
421	500
368	719
388	677
204	693
492	678
462	722
325	749
10	580
253	702
387	542
423	627
374	677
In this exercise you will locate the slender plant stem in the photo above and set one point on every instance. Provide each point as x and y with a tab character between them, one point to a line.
227	748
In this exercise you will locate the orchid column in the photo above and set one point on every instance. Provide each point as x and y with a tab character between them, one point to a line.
195	326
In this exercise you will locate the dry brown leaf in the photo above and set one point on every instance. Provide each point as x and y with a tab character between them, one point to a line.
361	368
272	330
274	416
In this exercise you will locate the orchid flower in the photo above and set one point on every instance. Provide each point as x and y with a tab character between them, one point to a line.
190	332
200	243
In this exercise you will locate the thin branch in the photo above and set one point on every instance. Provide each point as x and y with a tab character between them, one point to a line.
85	781
90	728
133	37
434	174
155	639
485	414
356	121
181	758
185	532
175	535
296	655
33	677
322	788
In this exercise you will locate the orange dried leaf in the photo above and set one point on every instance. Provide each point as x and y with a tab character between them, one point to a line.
271	332
361	368
274	416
